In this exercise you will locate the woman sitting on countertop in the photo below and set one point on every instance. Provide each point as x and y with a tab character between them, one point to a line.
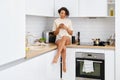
63	30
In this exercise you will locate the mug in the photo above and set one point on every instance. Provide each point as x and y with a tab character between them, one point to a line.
73	39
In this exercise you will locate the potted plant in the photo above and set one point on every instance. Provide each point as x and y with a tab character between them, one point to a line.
42	40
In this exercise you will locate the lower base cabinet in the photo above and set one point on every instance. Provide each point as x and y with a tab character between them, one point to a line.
109	65
38	68
70	65
41	67
52	70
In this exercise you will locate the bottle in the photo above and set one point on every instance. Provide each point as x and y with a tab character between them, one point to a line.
78	38
111	12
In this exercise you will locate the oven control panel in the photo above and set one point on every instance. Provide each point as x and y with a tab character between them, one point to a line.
90	55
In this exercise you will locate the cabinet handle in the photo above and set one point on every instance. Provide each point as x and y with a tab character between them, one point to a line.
93	61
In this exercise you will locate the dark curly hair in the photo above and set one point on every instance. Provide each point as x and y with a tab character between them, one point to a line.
65	9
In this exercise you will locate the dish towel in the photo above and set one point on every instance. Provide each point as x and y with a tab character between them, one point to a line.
88	66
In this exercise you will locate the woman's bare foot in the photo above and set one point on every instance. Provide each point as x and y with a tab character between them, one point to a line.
55	58
64	67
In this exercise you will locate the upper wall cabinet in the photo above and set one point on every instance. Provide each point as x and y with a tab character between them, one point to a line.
71	5
92	8
12	32
40	7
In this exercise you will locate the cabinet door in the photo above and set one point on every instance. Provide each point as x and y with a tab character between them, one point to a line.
117	39
12	32
71	5
38	68
92	8
52	70
70	65
40	7
109	64
33	69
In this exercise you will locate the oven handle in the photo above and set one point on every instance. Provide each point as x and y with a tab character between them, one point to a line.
93	61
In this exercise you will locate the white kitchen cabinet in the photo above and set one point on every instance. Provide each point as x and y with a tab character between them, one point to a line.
71	5
38	68
12	32
109	64
94	8
117	42
52	70
40	7
33	69
70	65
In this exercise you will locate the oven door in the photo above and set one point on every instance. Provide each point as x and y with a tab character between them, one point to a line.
98	73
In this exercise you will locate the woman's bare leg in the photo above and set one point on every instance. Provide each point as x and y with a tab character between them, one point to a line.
64	55
58	54
64	41
61	43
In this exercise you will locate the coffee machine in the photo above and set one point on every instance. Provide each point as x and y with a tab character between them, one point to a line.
49	36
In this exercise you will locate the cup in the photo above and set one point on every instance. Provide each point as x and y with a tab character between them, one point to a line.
73	39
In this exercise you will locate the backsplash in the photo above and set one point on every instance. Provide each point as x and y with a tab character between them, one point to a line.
35	25
90	28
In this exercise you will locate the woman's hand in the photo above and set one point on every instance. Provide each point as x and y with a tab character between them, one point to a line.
63	26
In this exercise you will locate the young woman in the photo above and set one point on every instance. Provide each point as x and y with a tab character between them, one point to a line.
63	30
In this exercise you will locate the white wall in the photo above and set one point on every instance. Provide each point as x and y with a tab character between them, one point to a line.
117	30
91	28
35	25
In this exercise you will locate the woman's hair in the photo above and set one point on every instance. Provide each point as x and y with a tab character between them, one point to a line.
65	9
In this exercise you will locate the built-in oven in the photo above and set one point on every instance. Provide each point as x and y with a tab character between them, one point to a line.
90	66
